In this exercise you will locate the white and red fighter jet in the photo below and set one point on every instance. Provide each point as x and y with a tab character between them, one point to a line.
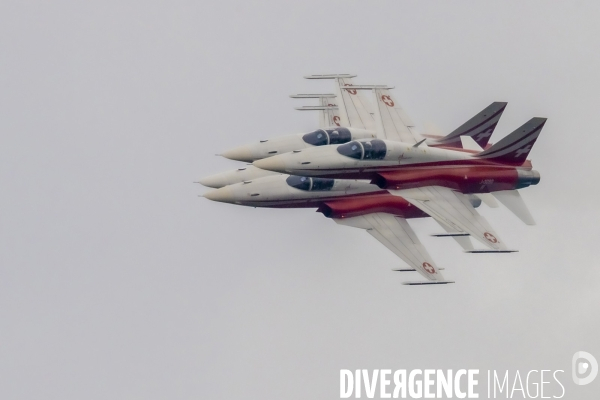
434	179
352	203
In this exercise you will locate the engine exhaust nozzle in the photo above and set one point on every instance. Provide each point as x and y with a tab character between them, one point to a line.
527	178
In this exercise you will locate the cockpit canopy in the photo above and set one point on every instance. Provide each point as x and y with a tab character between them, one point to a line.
324	137
310	184
371	150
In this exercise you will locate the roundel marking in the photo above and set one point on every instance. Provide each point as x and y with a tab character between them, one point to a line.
336	120
490	238
351	91
387	100
429	268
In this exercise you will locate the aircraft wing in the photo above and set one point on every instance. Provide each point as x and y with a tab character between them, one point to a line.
454	210
463	240
328	116
396	234
393	122
353	105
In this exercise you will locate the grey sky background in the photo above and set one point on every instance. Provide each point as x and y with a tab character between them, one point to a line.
118	282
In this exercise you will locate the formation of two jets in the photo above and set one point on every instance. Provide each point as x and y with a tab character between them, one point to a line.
368	167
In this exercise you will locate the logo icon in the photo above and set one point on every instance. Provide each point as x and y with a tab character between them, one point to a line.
483	135
429	268
585	368
490	238
351	91
524	150
387	100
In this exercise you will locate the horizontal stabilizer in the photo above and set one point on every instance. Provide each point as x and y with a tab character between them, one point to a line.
450	234
488	199
329	76
316	108
417	283
514	202
312	96
477	251
469	144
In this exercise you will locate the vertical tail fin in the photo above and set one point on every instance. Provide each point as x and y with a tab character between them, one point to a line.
515	147
480	127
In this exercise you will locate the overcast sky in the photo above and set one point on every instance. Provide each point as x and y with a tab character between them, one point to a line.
118	282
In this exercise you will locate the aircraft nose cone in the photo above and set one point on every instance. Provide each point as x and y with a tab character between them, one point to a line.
271	164
213	181
242	153
224	195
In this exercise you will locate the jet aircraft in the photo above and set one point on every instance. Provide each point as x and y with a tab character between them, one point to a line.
433	179
352	120
353	203
355	111
378	183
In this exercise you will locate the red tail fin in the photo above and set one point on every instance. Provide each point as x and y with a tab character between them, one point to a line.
480	127
515	148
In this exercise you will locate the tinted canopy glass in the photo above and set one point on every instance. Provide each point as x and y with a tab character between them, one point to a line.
316	138
372	150
324	137
321	184
310	184
339	136
352	149
299	182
